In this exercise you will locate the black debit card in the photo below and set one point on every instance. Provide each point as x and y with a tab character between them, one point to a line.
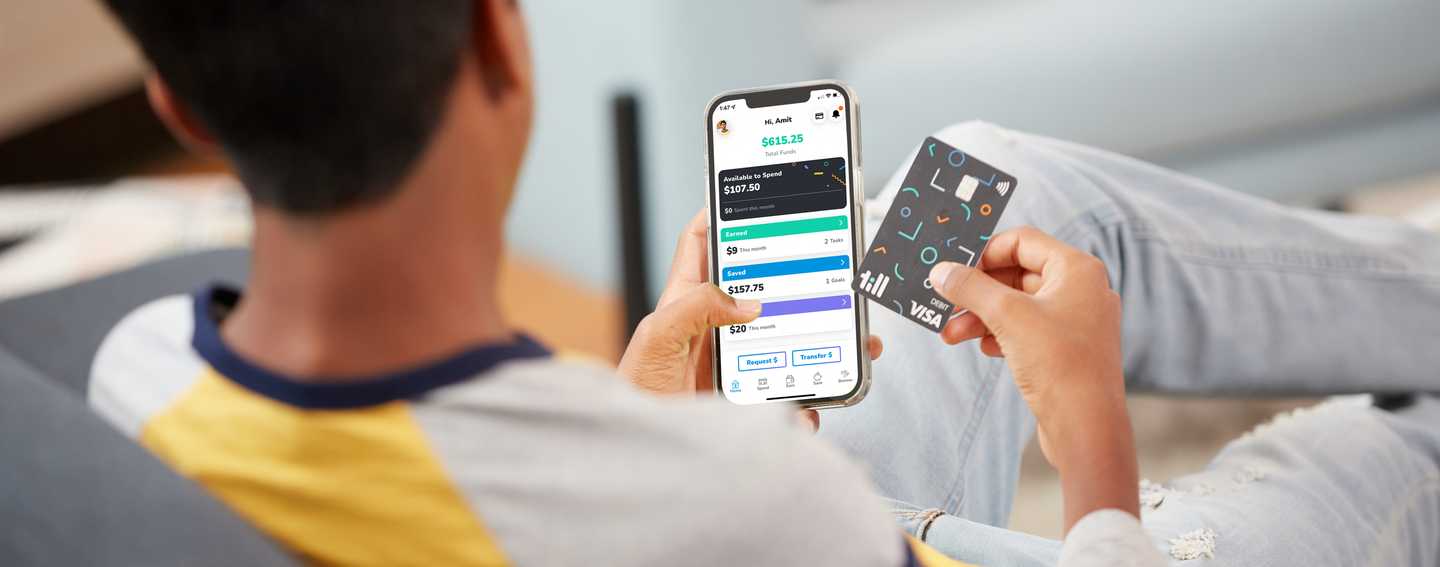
945	212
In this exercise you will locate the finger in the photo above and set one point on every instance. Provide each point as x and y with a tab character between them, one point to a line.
991	347
811	418
963	327
1024	247
993	302
1018	278
687	267
875	346
698	310
703	365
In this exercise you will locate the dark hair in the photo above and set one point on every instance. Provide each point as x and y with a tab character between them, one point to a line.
319	105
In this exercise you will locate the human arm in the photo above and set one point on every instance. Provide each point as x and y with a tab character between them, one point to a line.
1048	310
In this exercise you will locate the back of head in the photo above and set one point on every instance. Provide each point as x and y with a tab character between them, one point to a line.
320	106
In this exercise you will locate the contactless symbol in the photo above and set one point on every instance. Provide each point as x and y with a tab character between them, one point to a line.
933	255
985	210
1003	187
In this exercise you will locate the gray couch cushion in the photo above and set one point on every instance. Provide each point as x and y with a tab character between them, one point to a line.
57	332
73	491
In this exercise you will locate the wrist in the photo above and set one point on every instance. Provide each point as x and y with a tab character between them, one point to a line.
1094	452
1083	413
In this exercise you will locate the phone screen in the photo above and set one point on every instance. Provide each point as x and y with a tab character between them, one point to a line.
782	232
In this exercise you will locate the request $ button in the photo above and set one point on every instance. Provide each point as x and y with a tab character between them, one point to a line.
761	361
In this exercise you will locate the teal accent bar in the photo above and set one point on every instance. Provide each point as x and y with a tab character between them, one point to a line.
786	228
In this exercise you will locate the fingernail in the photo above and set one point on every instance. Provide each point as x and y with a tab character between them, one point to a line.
941	272
749	306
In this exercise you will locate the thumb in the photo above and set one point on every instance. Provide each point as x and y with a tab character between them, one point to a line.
702	308
970	288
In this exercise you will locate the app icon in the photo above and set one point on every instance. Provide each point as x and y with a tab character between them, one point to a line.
789	381
818	378
762	384
734	385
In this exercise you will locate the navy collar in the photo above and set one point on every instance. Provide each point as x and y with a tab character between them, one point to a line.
214	302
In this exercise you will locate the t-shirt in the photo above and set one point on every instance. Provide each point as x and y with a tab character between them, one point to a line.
502	454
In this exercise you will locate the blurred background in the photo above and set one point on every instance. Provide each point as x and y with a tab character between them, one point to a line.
1319	103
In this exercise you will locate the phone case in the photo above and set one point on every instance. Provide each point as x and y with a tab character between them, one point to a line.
857	233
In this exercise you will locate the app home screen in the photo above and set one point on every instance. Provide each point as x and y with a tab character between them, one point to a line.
782	236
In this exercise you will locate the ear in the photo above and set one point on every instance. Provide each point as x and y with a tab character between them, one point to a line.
177	117
500	45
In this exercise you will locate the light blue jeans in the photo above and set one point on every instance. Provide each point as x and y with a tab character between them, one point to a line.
1223	294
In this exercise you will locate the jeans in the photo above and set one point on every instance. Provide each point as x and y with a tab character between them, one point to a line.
1223	294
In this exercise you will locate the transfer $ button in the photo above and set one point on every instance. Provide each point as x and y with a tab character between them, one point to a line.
809	356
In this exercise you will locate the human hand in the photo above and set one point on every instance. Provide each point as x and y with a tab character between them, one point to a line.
664	354
1048	309
653	361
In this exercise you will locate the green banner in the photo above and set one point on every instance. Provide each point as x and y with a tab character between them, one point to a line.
786	228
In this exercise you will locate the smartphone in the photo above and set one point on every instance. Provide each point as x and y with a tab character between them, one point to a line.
783	183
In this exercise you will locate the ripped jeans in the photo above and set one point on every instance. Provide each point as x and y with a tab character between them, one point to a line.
1223	294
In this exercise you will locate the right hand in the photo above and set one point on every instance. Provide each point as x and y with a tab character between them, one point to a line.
1048	309
663	353
670	351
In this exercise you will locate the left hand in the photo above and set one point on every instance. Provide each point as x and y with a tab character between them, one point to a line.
670	353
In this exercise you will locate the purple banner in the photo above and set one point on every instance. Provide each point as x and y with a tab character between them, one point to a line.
810	305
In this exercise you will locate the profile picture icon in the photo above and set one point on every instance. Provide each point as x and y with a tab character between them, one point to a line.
722	127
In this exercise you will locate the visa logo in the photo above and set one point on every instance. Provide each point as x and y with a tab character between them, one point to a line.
925	314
